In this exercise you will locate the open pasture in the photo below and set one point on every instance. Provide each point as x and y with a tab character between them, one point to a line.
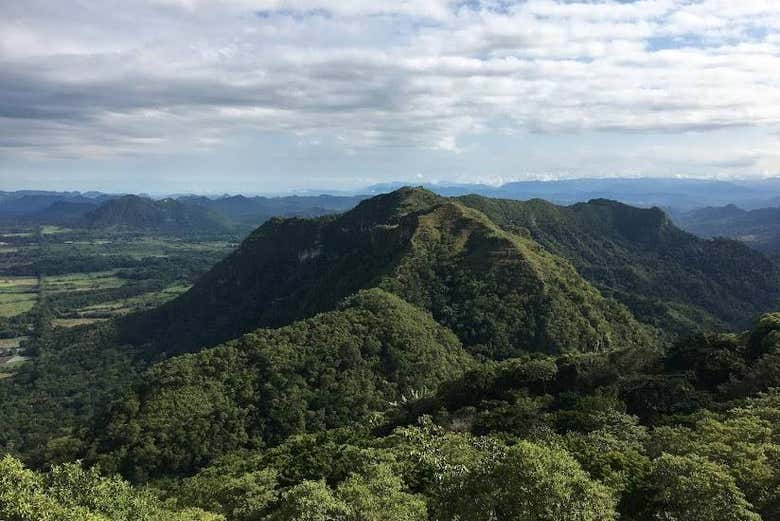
17	295
82	281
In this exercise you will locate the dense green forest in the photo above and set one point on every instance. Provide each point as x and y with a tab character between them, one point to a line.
416	358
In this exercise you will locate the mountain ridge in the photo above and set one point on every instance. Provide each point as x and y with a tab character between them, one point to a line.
403	242
641	258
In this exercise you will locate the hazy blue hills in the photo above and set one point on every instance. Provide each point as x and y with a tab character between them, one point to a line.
759	228
242	213
131	212
676	193
256	210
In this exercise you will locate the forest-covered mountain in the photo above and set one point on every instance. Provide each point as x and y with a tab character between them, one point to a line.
759	228
501	293
667	277
144	213
682	194
256	210
420	358
24	205
131	212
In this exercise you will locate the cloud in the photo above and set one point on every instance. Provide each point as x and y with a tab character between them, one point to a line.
157	76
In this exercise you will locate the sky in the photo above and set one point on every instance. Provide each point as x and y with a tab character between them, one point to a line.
218	96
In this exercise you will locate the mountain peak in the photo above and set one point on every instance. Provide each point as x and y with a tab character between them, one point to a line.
132	212
389	208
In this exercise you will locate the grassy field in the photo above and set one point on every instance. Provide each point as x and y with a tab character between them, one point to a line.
8	365
73	322
51	230
80	268
17	295
11	343
138	302
82	281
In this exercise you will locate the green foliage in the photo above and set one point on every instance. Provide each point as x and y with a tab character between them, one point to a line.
357	404
331	370
379	496
309	501
668	278
132	212
529	482
71	493
243	497
501	293
692	488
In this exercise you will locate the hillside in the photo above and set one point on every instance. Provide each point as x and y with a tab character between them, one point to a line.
501	293
132	212
759	229
61	212
327	371
412	359
23	206
256	210
667	277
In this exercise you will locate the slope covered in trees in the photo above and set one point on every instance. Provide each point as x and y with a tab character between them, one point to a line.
327	371
132	212
667	277
417	358
257	210
501	293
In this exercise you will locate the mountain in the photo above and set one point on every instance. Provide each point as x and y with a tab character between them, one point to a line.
759	229
326	371
677	193
416	358
132	212
62	212
501	293
257	210
24	206
667	277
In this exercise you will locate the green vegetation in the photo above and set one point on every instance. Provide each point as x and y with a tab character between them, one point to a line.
500	293
417	358
72	493
666	277
132	212
330	370
18	295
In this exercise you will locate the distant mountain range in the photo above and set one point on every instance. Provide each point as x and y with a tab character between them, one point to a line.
695	204
758	228
680	194
131	212
186	214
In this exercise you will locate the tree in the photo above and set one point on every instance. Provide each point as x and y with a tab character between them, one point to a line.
692	488
309	501
531	482
72	493
379	496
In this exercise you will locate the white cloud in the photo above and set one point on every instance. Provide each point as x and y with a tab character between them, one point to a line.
187	74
